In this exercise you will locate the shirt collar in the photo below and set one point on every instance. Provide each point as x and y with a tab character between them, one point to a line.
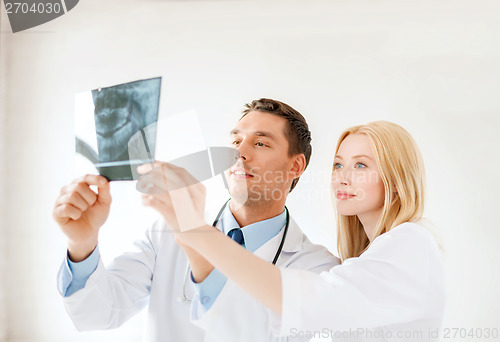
255	234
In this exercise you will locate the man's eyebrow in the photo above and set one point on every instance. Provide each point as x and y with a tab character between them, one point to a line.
258	133
354	157
265	134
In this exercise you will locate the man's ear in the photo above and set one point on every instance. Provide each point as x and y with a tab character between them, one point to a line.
298	165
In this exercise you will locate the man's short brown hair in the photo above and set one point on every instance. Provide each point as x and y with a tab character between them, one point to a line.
297	134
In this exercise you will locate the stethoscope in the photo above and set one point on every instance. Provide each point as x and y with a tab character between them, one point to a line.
185	299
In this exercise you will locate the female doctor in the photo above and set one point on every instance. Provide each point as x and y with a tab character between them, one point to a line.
390	283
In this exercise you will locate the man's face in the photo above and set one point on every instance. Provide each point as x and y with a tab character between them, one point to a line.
264	171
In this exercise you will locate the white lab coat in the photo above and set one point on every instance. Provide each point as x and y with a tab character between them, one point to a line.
393	290
154	273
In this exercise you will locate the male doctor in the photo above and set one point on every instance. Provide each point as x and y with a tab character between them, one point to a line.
273	140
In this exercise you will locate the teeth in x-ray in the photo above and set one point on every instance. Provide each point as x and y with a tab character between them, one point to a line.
120	112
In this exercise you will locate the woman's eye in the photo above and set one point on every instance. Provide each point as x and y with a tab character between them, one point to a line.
236	142
359	165
260	144
337	166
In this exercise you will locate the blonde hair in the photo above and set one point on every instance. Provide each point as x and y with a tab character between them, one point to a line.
401	169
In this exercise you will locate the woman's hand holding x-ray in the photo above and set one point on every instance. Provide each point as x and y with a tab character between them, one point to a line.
178	196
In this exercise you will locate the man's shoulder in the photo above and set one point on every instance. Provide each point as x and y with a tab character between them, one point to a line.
306	254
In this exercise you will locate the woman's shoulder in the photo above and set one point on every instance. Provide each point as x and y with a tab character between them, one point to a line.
409	236
410	229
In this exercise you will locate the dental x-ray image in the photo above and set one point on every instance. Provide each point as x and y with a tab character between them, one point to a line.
123	128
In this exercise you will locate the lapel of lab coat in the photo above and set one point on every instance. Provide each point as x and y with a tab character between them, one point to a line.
293	243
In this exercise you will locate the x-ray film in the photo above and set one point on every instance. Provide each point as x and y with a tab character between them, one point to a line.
116	127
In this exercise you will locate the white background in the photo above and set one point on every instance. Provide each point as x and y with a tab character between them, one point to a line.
431	66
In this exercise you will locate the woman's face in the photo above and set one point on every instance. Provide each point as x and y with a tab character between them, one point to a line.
358	188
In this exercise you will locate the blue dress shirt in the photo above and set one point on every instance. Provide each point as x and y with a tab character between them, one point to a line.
74	275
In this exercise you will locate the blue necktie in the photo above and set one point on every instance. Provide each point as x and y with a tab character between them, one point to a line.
237	235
